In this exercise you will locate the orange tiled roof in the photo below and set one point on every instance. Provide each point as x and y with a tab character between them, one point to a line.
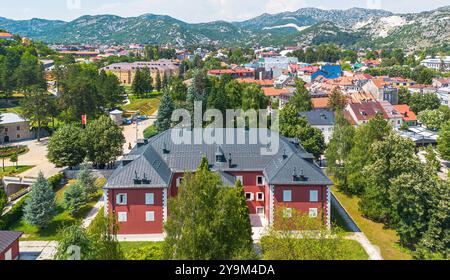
320	103
254	81
5	34
270	91
408	114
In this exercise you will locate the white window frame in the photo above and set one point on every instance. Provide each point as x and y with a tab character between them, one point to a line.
179	179
263	180
311	197
122	217
259	208
240	178
252	196
313	212
285	192
150	216
287	212
125	200
149	199
258	198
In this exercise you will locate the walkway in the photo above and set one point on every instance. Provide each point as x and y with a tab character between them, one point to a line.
37	156
37	250
93	213
357	235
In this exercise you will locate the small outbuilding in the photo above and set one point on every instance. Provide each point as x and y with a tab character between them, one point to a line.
9	245
116	116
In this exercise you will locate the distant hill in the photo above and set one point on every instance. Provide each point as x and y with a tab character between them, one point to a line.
354	27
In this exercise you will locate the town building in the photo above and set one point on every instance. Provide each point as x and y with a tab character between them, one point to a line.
393	116
409	117
361	113
234	73
382	89
138	191
441	63
14	128
126	71
444	96
9	245
6	36
323	120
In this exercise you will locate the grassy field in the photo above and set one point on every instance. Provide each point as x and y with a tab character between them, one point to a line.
12	170
146	106
355	251
386	239
61	219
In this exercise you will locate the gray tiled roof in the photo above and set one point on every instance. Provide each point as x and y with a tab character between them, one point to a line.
319	117
160	158
7	238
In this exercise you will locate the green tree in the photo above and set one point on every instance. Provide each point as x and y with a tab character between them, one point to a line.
66	147
300	237
292	126
35	107
444	141
142	82
206	233
253	98
15	159
432	161
389	159
158	81
337	101
432	119
74	235
420	102
301	99
40	205
108	144
75	197
3	200
103	235
339	149
375	130
164	118
86	180
109	89
233	91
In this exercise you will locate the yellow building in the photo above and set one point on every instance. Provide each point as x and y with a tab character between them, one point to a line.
125	71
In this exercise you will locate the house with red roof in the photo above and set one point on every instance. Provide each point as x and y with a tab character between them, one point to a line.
6	36
409	117
361	113
234	73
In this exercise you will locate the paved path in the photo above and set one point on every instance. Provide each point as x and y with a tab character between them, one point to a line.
357	235
93	213
37	250
36	156
372	250
129	131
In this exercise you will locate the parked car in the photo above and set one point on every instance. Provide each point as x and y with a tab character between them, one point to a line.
127	122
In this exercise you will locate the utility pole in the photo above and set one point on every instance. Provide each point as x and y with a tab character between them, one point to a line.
137	126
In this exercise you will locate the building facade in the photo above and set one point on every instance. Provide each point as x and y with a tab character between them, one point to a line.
138	191
125	71
323	120
14	128
9	245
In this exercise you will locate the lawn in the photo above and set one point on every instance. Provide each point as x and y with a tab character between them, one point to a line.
60	220
146	106
386	239
12	170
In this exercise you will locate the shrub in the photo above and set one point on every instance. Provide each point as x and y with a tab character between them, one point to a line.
55	180
15	214
150	131
151	252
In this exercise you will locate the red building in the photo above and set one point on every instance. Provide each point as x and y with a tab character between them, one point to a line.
234	73
138	191
9	245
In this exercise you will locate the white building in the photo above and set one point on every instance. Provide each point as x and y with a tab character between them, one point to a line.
323	120
437	63
14	128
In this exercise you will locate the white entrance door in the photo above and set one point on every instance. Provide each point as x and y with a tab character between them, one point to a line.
8	255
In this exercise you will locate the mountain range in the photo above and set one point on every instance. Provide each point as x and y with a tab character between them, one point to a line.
354	27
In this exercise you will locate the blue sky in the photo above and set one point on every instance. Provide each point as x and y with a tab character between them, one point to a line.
194	10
